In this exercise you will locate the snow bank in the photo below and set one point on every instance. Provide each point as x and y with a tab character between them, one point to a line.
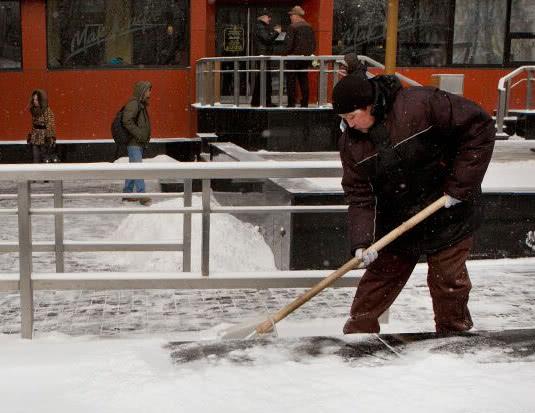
234	246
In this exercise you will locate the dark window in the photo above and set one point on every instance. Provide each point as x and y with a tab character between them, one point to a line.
522	32
479	32
423	30
108	33
10	35
359	26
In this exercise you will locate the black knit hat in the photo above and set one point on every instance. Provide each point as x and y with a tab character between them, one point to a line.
264	12
351	93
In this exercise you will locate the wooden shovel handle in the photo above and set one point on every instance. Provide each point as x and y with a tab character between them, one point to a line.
267	325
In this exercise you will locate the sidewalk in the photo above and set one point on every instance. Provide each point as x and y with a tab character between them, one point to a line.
503	297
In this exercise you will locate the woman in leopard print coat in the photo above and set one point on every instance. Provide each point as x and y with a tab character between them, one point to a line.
43	134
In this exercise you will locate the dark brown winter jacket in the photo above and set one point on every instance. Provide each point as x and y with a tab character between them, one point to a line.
425	142
300	39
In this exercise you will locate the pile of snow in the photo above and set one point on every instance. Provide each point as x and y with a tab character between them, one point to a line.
235	246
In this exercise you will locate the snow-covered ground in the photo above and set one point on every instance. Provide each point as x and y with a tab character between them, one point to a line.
60	374
108	351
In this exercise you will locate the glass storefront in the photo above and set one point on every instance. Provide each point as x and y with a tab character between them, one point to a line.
109	33
423	30
439	32
522	31
479	32
235	25
10	35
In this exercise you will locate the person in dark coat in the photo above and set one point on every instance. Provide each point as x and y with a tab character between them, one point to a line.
401	150
300	41
264	38
351	64
136	121
42	137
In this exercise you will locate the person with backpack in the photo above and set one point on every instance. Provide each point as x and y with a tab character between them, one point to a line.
135	120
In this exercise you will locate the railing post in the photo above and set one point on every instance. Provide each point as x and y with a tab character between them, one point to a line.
336	72
322	84
202	83
198	68
262	82
186	227
58	227
507	94
25	259
502	109
281	80
236	83
211	83
205	240
217	82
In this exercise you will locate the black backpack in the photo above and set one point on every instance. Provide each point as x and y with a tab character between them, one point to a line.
119	133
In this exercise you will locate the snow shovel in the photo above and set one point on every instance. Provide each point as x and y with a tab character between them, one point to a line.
253	329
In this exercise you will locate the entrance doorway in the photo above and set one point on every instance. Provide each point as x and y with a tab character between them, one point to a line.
235	36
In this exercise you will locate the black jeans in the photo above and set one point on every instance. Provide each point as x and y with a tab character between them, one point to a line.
39	152
302	77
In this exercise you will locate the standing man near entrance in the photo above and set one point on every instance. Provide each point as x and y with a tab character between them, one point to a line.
403	149
136	121
300	41
264	38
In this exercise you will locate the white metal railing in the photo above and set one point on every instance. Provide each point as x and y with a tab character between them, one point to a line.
27	280
209	73
505	85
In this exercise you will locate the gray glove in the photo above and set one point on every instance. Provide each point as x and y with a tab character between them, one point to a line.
366	255
451	201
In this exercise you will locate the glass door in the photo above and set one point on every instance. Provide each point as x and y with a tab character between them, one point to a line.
235	36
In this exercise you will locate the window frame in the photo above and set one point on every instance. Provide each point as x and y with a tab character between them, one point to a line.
125	67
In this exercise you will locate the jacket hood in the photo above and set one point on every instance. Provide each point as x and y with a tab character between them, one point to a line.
140	88
386	88
42	98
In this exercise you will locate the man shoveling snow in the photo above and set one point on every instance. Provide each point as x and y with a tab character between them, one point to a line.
401	150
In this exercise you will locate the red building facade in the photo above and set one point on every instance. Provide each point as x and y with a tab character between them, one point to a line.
86	95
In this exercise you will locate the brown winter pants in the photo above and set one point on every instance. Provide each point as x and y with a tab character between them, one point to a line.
384	279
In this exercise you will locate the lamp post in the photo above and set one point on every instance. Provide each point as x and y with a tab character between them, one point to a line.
391	36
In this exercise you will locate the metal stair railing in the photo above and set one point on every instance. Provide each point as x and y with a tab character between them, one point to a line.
327	67
505	86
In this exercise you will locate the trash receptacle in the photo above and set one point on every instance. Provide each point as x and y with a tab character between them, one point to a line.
453	83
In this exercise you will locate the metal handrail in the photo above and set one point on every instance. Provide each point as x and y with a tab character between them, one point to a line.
327	67
24	174
504	93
